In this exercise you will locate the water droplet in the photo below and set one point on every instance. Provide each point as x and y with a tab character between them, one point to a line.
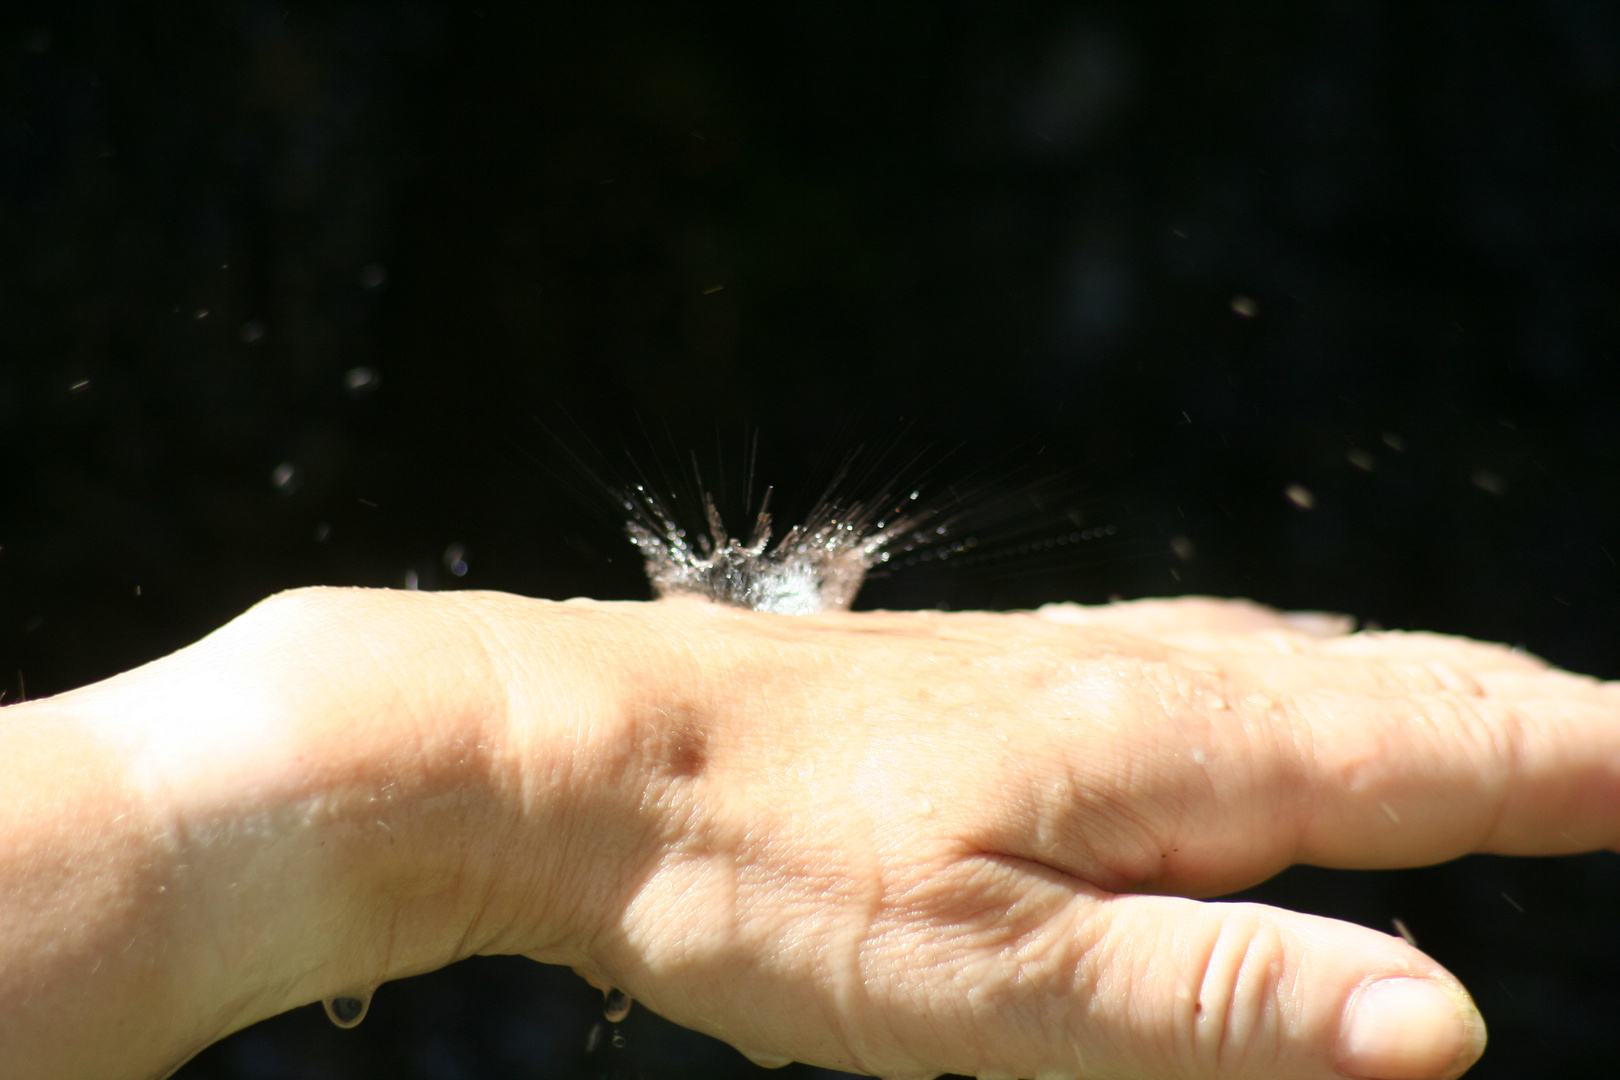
455	560
1245	306
1488	482
593	1038
618	1039
252	332
766	1060
1300	496
347	1010
361	380
616	1005
285	479
373	276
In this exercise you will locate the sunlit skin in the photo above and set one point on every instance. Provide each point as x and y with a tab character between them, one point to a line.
899	844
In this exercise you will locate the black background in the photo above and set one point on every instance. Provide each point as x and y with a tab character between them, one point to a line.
1138	265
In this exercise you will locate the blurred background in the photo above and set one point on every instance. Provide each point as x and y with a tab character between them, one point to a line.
1317	304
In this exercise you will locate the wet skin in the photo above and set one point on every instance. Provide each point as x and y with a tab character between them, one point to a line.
898	843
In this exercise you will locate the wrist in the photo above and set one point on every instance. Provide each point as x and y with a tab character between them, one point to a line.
338	789
313	781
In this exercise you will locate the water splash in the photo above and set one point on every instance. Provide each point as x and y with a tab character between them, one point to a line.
616	1005
817	566
347	1010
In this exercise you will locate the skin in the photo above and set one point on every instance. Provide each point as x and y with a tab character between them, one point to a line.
894	843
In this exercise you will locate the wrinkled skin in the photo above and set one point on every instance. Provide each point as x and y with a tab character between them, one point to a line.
897	843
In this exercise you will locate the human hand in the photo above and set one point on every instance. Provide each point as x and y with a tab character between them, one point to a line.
902	843
915	843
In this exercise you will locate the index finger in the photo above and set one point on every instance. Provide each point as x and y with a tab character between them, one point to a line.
1528	764
1240	764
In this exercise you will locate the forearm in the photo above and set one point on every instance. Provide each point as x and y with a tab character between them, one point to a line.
205	842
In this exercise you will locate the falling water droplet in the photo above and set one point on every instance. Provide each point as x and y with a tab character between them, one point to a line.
616	1006
767	1060
593	1038
347	1010
618	1039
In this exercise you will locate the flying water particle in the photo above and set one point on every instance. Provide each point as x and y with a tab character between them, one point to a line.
455	560
1245	307
347	1010
1394	442
618	1039
1362	460
372	276
285	479
1300	496
616	1005
593	1038
1183	548
412	581
1487	481
1406	933
252	332
359	381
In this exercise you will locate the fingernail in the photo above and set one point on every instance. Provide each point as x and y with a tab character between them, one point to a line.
1410	1029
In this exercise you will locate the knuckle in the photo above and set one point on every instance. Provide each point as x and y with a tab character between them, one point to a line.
1237	1016
291	610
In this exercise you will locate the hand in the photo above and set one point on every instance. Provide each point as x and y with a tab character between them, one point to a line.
897	843
912	843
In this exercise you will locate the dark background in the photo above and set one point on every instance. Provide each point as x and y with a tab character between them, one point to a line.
340	293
